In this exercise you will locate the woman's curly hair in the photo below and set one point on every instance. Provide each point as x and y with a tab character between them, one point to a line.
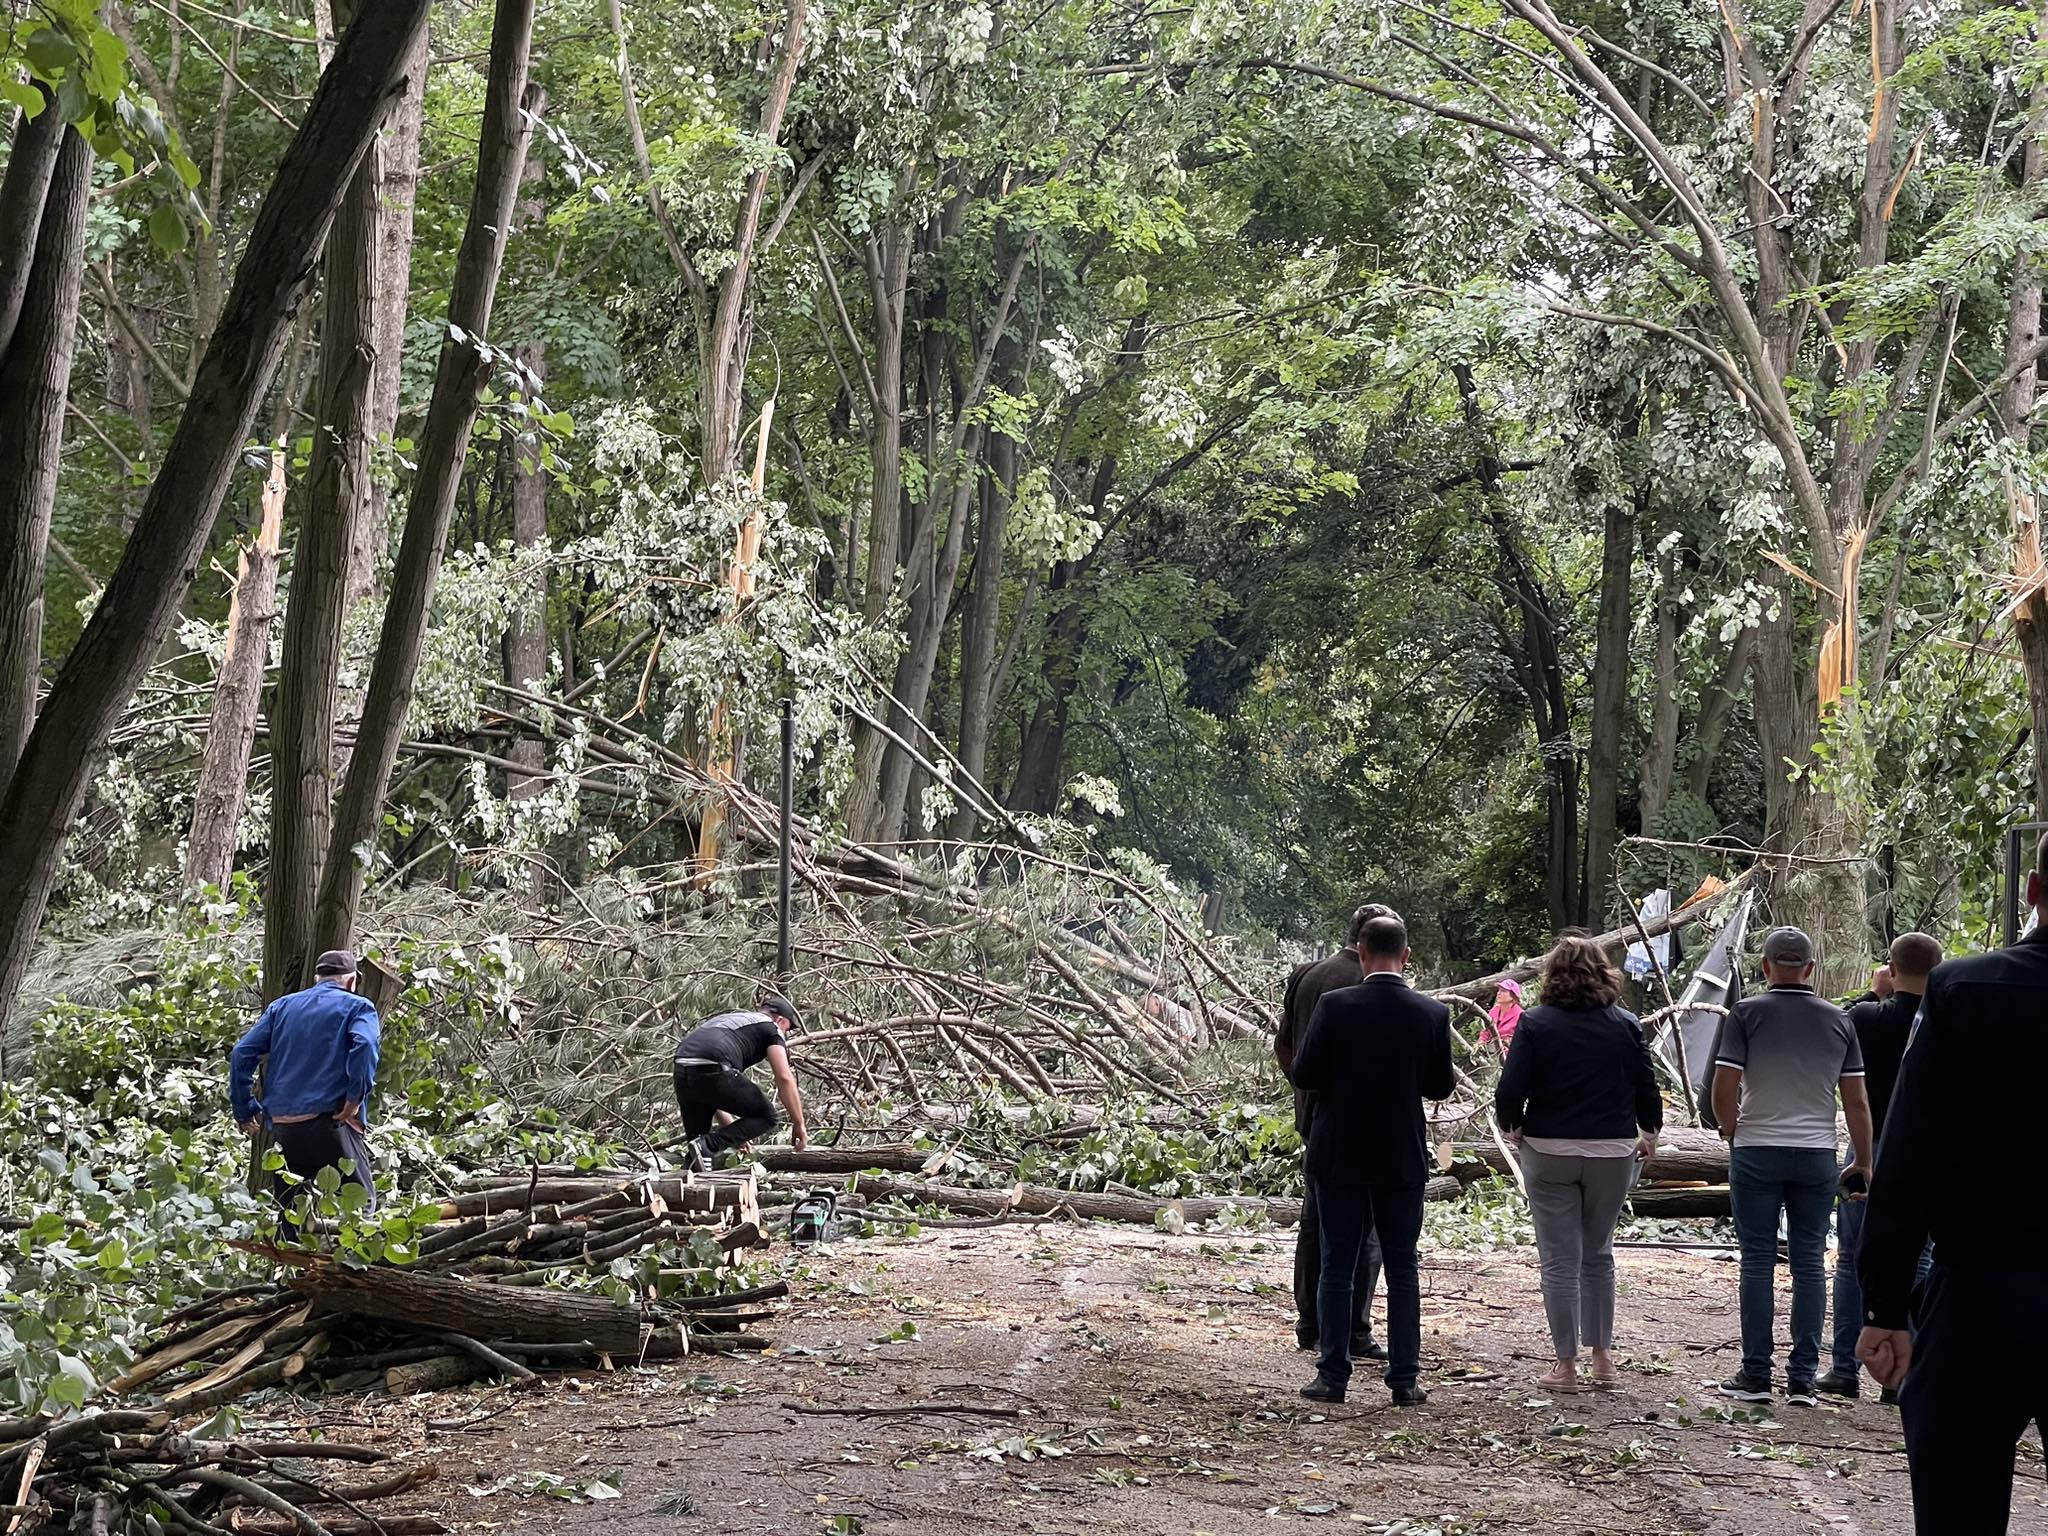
1578	975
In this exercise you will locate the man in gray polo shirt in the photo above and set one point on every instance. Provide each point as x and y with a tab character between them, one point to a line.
1783	1056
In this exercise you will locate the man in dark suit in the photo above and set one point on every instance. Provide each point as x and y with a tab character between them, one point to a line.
1372	1053
1970	1342
1306	985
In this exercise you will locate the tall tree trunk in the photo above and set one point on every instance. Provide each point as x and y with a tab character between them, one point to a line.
1659	766
237	697
1717	709
1041	750
35	379
398	180
338	489
2016	410
1610	709
888	257
981	625
526	638
459	379
156	569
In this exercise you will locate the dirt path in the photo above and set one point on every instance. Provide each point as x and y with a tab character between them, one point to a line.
1147	1384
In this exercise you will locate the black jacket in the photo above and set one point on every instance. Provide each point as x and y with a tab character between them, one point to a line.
1371	1054
1957	1131
1306	984
1585	1075
1882	1028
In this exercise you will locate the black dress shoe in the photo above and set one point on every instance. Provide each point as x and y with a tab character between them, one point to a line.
1323	1390
1409	1397
1368	1348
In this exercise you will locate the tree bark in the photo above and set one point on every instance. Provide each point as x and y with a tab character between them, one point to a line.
982	624
398	149
237	697
473	1308
31	164
158	566
459	379
1610	708
1659	767
339	486
35	381
1717	709
526	639
2016	411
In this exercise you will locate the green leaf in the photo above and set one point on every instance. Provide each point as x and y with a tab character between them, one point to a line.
167	230
23	95
49	52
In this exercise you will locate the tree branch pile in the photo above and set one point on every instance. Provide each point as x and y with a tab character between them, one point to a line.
89	1473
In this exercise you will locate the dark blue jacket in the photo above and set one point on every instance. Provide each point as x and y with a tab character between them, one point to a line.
1582	1075
1958	1131
322	1049
1371	1054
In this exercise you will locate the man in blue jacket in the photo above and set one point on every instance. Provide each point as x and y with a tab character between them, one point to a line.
319	1047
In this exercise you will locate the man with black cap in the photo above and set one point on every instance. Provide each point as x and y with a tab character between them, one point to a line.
319	1050
1783	1055
1959	1145
721	1108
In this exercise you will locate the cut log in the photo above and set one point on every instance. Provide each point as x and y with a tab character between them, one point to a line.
473	1308
1680	1200
897	1157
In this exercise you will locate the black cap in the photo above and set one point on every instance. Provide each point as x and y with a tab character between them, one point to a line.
1788	946
776	1003
336	962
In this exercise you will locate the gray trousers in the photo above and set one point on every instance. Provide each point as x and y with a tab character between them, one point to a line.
1575	1202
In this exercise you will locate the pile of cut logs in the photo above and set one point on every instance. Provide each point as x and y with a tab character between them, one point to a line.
484	1298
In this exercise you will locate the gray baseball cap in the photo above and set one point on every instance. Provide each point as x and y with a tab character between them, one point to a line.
1788	946
336	962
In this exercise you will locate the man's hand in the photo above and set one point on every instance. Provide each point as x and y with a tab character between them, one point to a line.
798	1138
251	1126
1888	1352
1854	1172
351	1115
1646	1145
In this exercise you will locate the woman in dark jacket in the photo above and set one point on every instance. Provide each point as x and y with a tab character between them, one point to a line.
1579	1095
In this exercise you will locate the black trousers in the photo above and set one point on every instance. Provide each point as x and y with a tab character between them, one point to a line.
1979	1376
1308	1275
310	1145
702	1091
1349	1211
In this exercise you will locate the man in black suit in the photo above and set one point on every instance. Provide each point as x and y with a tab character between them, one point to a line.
1970	1342
1306	985
1371	1054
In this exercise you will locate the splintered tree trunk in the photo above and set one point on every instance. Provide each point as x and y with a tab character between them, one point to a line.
1610	709
237	697
444	444
35	378
157	567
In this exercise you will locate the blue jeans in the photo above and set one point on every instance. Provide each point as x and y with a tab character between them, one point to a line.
1800	1182
1348	1213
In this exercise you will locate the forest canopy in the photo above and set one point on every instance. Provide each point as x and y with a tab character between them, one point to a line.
1498	459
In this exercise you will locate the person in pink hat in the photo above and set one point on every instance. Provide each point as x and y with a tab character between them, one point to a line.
1505	1014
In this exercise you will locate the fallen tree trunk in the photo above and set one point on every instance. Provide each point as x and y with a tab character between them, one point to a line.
1039	1200
711	1195
1684	1156
474	1308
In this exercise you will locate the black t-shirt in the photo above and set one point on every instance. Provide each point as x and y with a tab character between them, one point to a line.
735	1040
1883	1029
